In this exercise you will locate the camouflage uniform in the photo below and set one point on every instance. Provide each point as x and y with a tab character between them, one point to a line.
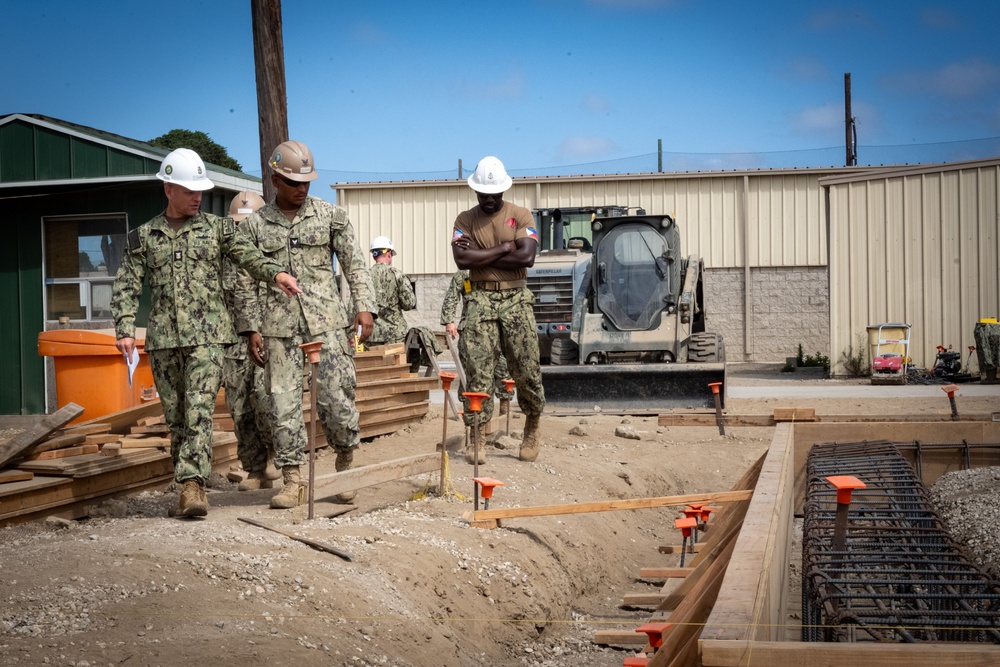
393	295
246	396
499	321
452	296
307	246
189	325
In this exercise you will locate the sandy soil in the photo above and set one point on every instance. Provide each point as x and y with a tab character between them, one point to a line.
131	587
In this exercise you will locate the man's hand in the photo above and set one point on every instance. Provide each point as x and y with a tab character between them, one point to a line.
255	346
452	330
288	284
366	322
125	346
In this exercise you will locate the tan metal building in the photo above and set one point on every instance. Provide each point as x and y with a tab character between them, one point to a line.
764	235
917	245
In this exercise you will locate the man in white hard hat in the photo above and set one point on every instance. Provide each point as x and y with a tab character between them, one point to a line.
496	241
246	395
459	287
306	233
180	252
393	295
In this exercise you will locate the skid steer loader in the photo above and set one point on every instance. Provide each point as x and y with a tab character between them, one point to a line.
636	339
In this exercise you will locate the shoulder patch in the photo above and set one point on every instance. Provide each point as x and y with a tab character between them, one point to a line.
228	226
339	214
133	239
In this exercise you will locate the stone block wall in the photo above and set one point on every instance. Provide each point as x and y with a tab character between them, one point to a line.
789	307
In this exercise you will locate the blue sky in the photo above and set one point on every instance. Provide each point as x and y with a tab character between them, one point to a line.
389	90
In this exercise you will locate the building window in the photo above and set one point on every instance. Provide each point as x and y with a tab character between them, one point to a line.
82	254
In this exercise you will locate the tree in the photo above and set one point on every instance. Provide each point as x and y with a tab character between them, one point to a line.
200	143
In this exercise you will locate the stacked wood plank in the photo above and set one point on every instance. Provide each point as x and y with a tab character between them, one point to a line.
50	468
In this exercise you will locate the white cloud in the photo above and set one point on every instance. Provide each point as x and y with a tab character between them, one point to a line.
827	121
511	88
938	19
597	104
804	69
817	120
577	148
967	79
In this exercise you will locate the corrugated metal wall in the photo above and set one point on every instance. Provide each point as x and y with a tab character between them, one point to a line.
783	212
916	246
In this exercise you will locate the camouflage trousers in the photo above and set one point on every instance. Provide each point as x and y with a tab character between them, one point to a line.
249	406
335	382
188	380
499	374
501	326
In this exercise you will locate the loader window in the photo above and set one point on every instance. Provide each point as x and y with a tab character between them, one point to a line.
633	277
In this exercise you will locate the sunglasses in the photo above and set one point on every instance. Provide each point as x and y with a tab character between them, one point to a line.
290	183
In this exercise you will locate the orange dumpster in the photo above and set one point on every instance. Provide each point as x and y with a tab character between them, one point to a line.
91	372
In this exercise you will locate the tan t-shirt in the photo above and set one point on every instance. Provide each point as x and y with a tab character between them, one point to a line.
510	223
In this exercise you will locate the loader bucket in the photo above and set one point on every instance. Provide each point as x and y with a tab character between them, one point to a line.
632	388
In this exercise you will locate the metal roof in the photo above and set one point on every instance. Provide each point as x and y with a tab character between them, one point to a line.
139	160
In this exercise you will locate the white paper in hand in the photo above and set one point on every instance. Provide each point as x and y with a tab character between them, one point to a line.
132	362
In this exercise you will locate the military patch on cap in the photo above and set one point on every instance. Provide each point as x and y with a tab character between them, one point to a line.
169	169
228	226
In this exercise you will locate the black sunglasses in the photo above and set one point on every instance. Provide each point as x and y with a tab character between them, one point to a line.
290	183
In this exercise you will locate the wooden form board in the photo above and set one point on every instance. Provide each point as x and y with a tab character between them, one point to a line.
752	600
612	505
737	632
707	418
358	478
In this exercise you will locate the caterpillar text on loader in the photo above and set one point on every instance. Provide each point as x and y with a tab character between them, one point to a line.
635	340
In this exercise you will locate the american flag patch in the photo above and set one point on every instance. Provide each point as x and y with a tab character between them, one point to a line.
532	233
457	235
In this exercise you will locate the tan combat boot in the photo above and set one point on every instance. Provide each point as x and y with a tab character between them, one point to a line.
345	457
470	449
192	502
270	471
288	497
530	442
256	480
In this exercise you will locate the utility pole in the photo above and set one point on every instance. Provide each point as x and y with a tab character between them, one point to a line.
272	102
659	156
850	132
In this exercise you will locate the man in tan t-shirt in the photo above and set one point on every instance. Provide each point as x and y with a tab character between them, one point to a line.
496	241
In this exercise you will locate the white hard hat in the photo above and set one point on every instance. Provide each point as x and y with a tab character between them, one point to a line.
490	177
184	167
380	242
243	204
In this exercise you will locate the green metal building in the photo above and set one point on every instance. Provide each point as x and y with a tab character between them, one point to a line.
68	196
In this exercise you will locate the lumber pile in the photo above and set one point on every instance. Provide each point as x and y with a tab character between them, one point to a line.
51	468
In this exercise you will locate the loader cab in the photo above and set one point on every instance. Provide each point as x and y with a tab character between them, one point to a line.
568	227
635	271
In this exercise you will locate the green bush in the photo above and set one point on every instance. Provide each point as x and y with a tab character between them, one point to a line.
855	358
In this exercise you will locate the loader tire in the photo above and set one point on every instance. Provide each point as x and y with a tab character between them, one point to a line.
706	348
564	352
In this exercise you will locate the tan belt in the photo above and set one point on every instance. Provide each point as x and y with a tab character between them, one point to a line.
496	286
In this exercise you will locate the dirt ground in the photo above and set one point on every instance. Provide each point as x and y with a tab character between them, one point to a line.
131	587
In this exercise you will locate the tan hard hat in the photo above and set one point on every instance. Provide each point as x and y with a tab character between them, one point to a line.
294	161
243	204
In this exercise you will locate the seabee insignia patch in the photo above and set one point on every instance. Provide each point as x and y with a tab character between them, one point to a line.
228	226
